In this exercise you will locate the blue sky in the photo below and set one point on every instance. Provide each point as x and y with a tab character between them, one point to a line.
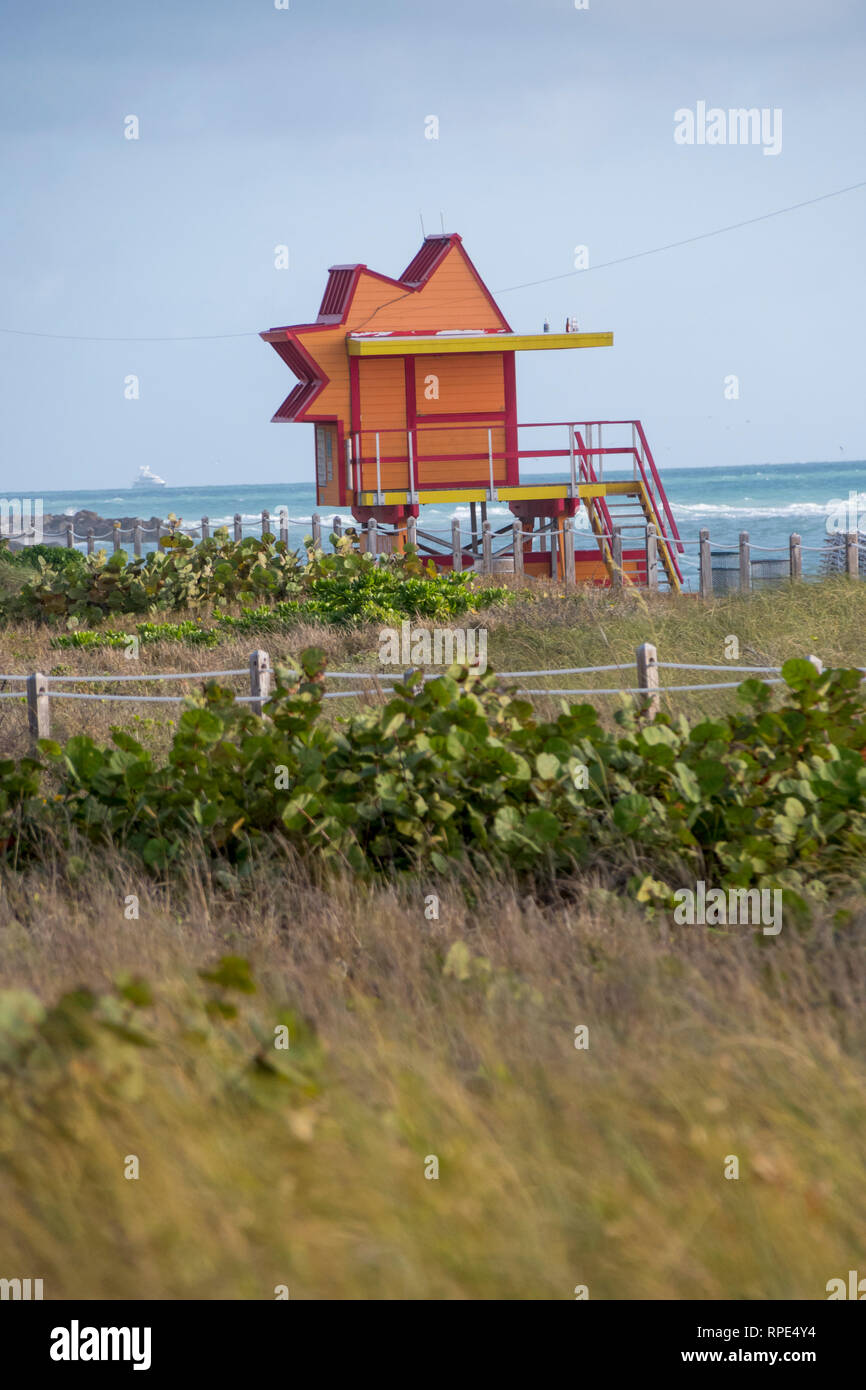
306	127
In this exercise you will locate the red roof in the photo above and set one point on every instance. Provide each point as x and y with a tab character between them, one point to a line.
337	291
297	400
308	386
424	262
294	359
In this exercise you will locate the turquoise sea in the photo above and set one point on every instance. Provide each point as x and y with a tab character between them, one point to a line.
769	501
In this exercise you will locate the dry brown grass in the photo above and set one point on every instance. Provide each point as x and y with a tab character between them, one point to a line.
558	1167
27	647
544	627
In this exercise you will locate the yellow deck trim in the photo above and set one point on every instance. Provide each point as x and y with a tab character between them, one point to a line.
473	342
528	493
623	487
541	492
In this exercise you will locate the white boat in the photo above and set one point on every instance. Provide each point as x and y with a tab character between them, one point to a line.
147	478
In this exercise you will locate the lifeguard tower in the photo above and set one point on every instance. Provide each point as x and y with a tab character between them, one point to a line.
410	384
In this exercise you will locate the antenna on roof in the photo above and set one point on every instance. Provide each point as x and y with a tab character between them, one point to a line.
442	221
423	233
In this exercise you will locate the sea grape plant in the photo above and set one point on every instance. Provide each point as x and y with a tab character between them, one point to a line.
459	767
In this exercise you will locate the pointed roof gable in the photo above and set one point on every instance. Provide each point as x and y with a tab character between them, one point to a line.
423	262
342	280
439	290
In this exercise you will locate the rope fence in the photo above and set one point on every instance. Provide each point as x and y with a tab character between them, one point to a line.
40	690
840	554
203	531
513	549
714	569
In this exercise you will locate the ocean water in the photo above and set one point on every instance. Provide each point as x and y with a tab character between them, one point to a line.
768	501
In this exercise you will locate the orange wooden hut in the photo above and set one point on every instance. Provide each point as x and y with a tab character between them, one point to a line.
410	384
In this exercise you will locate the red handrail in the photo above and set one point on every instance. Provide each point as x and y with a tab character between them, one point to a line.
658	482
659	519
588	475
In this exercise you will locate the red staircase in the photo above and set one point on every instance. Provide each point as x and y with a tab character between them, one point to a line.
624	507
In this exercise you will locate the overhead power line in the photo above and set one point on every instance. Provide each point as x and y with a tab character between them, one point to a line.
687	241
87	338
509	289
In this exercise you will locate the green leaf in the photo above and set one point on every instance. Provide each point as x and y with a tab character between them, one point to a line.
507	824
155	851
630	812
547	767
542	825
655	734
232	972
800	674
687	782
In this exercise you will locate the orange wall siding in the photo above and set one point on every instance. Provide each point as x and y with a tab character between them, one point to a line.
537	568
383	393
328	349
451	298
382	388
463	384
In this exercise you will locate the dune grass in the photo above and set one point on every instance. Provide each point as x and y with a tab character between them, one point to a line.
413	1039
541	628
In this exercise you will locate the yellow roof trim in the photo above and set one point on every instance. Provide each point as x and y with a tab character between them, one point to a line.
427	344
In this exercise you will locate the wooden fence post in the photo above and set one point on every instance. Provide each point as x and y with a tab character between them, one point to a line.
652	557
239	530
266	524
90	541
115	536
745	563
412	531
136	538
338	527
284	526
205	528
38	706
648	678
616	553
553	542
486	548
317	531
568	552
70	536
706	565
517	545
852	555
456	546
260	680
796	553
372	540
